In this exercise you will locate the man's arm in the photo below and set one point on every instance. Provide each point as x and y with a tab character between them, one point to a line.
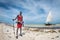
15	19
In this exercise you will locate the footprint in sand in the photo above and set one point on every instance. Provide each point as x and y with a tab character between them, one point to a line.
52	38
7	30
57	36
9	36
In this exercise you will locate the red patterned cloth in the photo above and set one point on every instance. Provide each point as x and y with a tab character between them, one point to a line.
19	19
19	25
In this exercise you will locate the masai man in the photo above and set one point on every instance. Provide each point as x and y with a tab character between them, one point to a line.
19	23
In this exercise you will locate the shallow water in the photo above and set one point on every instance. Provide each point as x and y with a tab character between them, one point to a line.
40	25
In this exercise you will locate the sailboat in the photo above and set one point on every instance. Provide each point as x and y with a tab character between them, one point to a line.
49	19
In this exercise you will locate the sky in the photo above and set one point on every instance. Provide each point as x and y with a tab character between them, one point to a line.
33	11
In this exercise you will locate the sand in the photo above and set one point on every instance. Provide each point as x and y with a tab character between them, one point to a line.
6	33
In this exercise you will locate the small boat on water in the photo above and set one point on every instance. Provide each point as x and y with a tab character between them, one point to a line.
49	19
48	24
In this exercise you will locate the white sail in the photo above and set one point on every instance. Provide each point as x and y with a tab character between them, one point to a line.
49	17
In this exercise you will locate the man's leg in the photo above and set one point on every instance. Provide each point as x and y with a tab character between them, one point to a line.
20	31
17	33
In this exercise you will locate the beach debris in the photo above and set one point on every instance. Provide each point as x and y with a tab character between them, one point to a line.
41	30
34	29
25	28
51	31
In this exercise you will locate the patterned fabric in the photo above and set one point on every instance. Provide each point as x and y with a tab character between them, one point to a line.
19	21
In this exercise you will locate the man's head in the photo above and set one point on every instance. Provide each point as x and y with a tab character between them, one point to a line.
20	13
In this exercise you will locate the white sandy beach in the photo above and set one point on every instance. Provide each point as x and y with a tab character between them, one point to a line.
6	33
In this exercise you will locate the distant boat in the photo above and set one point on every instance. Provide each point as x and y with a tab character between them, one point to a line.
49	19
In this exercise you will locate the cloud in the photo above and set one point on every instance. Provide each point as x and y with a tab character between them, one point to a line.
3	5
32	9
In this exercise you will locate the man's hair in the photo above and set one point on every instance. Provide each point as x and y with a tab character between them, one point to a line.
20	13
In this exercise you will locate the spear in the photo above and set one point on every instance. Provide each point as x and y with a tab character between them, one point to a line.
13	27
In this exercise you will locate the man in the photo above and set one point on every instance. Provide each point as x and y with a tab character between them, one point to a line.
19	23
